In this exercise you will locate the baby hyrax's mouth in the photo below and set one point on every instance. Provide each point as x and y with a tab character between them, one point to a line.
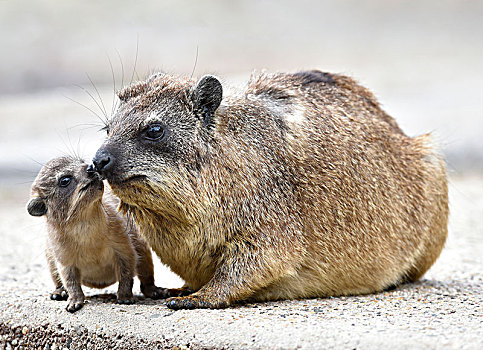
83	188
90	183
93	178
93	173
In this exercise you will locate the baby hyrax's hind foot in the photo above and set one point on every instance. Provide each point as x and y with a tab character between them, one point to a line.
153	292
59	294
178	292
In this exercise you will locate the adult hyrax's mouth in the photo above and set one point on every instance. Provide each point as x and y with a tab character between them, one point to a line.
127	180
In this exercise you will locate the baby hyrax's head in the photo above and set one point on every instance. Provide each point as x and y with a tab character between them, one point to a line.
65	189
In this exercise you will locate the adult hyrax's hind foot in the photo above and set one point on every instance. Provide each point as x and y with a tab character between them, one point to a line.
195	302
59	294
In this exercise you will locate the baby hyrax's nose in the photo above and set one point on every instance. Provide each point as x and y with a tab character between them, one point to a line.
91	170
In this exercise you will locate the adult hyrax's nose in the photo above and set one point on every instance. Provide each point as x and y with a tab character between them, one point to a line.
103	162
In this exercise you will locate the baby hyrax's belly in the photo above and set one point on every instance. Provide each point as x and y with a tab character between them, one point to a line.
99	273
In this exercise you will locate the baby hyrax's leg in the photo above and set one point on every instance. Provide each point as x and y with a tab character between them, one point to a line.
59	293
125	268
145	269
72	278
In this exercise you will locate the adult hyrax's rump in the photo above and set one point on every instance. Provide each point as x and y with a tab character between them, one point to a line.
299	186
89	242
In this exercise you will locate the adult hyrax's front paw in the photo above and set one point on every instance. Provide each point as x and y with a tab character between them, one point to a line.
74	304
195	302
59	294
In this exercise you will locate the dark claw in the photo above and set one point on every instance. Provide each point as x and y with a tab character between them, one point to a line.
178	304
58	296
74	307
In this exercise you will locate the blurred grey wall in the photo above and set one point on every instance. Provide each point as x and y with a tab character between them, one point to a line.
423	59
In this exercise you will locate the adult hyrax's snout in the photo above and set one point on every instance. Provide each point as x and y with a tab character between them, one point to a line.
299	186
103	162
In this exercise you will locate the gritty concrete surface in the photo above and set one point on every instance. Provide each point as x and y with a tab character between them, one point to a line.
443	310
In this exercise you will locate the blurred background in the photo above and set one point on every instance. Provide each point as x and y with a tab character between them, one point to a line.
422	59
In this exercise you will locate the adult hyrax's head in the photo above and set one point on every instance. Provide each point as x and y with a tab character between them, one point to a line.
64	189
158	138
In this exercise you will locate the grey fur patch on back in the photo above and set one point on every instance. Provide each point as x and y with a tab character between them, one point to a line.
314	77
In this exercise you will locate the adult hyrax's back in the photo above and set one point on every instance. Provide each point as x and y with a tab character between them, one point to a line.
300	186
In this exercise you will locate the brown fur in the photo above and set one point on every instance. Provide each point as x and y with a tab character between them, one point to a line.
89	242
300	186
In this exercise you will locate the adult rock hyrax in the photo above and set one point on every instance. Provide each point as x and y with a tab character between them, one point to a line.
89	241
299	186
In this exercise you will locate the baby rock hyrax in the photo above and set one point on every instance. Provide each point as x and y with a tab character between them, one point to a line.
298	186
89	241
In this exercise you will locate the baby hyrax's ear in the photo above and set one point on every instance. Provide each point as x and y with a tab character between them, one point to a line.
37	207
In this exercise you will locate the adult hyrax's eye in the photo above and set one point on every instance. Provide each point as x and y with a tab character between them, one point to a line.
154	132
65	181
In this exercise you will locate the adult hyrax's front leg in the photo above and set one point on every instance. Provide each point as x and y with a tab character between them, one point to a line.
72	279
242	273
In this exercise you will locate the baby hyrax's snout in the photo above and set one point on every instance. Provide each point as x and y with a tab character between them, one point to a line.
91	171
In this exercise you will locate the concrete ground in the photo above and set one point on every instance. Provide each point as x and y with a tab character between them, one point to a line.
443	310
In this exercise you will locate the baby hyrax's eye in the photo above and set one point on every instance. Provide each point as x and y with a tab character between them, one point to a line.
65	181
154	132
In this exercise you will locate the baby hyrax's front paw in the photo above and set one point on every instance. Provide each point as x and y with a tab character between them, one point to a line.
59	294
75	303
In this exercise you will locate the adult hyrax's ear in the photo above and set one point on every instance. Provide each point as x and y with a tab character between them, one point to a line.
37	207
207	96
